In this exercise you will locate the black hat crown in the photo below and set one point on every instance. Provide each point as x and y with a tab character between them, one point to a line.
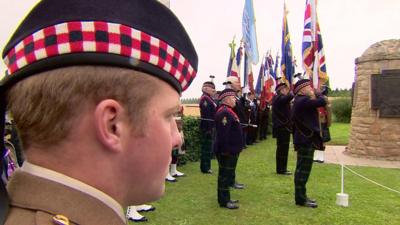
226	92
301	84
140	34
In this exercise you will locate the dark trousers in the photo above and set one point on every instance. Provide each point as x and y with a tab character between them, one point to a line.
206	151
263	124
251	135
174	156
305	155
235	161
226	171
282	149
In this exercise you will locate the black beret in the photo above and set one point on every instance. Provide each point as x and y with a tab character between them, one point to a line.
209	84
140	34
226	92
280	86
300	84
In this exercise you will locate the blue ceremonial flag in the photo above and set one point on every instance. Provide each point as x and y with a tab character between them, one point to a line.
249	32
286	61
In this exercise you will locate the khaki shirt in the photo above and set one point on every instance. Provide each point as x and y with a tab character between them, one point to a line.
36	200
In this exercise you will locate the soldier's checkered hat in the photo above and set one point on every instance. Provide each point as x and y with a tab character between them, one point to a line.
226	92
140	34
301	84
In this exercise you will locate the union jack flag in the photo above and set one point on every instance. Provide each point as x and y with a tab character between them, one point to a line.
312	47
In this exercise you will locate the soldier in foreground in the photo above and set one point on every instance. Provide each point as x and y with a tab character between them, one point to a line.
78	84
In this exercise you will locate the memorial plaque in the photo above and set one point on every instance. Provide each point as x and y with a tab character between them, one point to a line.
375	100
389	94
385	93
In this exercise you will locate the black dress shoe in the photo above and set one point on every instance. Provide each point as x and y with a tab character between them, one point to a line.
238	186
208	172
311	200
308	204
234	201
285	173
230	205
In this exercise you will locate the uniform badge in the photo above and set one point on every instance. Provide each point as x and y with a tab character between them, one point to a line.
60	220
224	121
205	103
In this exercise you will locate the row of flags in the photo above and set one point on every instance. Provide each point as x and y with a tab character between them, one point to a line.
268	76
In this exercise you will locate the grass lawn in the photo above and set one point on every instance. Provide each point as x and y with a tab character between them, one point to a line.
269	199
339	133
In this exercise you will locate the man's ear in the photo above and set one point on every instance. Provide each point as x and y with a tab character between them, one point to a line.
110	119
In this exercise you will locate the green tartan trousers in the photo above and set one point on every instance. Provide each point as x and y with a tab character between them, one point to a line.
226	171
282	149
305	156
206	152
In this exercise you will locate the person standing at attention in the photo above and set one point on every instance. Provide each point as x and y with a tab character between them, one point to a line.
207	125
306	137
228	144
282	126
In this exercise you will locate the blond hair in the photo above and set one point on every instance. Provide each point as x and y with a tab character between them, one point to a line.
45	106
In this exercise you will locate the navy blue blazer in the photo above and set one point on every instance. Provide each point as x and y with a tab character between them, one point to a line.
207	112
281	114
305	111
229	136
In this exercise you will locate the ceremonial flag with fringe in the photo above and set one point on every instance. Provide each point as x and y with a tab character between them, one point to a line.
312	47
249	32
287	60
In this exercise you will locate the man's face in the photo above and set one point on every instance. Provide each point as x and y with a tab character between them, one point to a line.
285	90
307	90
209	90
231	101
236	86
150	154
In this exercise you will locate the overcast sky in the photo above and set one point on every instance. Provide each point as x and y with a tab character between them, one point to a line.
348	28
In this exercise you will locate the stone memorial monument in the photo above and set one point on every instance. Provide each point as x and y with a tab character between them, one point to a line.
375	119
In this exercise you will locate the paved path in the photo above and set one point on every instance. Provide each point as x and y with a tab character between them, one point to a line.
335	154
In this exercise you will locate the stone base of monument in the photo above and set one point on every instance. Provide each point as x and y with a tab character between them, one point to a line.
342	199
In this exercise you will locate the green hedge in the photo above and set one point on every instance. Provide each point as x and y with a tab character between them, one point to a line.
192	139
341	110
